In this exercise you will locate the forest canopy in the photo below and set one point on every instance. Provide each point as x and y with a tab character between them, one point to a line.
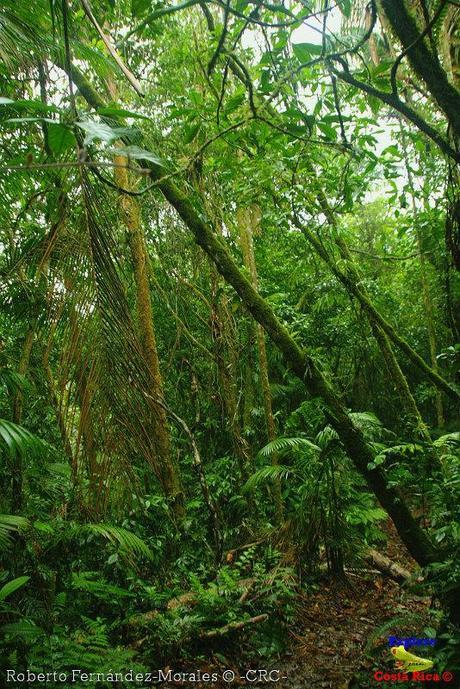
229	353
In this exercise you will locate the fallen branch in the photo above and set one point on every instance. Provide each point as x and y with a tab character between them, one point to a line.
232	627
386	566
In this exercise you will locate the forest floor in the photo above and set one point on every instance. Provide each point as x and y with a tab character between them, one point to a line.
343	632
340	635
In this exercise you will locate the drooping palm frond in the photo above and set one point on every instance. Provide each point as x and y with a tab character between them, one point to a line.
129	544
10	524
19	440
268	474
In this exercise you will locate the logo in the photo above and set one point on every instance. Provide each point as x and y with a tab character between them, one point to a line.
408	662
410	641
411	667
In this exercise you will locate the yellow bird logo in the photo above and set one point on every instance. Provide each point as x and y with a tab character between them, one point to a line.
409	662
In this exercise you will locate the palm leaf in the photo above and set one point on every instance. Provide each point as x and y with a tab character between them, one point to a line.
267	474
129	543
10	523
19	440
283	444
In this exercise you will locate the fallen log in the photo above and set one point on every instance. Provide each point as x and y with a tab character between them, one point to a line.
232	626
386	566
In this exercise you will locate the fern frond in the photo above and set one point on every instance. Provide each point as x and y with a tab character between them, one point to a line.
269	473
128	542
283	444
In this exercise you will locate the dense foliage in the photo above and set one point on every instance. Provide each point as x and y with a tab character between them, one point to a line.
229	237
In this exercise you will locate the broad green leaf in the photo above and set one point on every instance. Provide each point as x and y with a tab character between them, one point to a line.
101	131
137	154
60	138
329	131
35	105
191	132
12	586
305	51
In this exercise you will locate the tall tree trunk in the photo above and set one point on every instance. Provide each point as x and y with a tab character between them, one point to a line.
248	221
168	472
427	301
226	361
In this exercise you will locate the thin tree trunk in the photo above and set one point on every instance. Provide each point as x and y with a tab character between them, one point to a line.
18	400
167	469
225	358
427	301
248	220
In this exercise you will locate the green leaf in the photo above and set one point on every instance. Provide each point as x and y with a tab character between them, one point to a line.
34	105
234	102
329	131
24	628
191	133
60	138
139	7
12	586
137	154
345	7
102	131
304	51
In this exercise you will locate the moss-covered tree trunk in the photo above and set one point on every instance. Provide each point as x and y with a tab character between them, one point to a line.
167	470
248	221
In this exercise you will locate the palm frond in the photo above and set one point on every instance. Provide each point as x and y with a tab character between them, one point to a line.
19	440
129	543
9	524
267	474
283	444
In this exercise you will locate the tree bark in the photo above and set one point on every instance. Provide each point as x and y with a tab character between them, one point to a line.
248	220
425	64
168	473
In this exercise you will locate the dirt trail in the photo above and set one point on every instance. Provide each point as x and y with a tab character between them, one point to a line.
337	627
